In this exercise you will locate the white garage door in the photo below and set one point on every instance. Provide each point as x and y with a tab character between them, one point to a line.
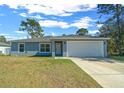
85	48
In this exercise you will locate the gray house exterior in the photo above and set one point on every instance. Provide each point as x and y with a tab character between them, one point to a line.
66	46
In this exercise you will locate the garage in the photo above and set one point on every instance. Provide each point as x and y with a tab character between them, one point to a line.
85	49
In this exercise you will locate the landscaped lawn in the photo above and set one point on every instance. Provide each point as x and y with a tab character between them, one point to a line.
42	72
118	58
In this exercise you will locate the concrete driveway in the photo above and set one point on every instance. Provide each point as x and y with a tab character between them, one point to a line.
108	73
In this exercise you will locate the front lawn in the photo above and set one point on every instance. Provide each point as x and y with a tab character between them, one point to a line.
118	58
42	72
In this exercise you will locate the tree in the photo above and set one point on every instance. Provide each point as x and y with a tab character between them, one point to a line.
32	27
115	13
82	31
109	31
2	39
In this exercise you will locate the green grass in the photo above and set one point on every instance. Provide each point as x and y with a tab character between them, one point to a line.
118	58
37	72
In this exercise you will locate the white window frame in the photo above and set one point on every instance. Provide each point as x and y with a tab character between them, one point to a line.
45	51
19	47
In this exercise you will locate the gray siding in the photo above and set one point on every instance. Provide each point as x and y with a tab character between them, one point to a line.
31	49
14	46
33	46
64	48
53	48
105	49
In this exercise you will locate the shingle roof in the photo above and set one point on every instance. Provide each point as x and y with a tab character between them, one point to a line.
4	44
77	37
68	37
45	39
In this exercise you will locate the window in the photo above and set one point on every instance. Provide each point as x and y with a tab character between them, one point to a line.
21	48
45	47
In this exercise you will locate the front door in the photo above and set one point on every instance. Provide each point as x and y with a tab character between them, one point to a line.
58	48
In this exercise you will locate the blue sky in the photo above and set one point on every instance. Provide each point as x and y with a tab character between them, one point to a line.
55	18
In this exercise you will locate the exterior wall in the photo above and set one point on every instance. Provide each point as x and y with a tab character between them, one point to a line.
30	53
105	49
4	50
85	48
53	48
64	48
14	46
31	46
31	49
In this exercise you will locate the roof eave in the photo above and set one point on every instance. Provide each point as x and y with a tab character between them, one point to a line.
80	39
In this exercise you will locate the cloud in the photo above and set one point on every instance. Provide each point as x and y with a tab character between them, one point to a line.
3	34
7	36
36	17
99	25
48	10
1	14
53	23
50	7
20	32
15	12
93	32
23	14
53	34
83	22
13	36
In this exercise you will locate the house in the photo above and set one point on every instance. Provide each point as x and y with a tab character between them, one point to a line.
4	48
67	46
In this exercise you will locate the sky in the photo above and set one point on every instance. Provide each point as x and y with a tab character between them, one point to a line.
56	17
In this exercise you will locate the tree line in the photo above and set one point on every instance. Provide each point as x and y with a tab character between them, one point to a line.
113	27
